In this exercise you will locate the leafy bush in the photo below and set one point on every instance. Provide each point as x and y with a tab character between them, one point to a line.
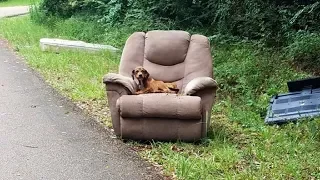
60	8
305	50
269	21
307	18
39	16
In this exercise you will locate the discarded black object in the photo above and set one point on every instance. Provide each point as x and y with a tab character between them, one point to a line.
299	85
302	101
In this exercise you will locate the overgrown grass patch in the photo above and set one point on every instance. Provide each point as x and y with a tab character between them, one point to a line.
239	145
305	51
75	74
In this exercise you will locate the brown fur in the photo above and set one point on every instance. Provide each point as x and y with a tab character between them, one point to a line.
149	85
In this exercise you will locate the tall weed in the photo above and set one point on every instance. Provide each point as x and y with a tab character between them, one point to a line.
305	51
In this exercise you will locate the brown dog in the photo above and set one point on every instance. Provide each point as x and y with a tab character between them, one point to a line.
149	85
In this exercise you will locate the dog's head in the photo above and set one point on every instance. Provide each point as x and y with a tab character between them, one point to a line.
140	74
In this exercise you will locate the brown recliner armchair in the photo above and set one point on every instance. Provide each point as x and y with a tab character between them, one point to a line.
170	56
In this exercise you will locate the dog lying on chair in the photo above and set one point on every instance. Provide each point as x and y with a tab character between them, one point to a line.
149	85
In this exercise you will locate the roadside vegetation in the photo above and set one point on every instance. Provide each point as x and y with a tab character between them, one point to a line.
252	62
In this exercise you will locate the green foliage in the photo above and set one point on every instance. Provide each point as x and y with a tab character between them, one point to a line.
72	28
76	74
39	16
250	76
239	144
307	18
80	30
61	8
270	21
305	50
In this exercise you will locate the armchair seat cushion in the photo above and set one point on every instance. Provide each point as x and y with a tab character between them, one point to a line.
160	105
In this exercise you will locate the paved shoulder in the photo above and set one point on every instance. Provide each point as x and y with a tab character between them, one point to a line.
13	11
42	136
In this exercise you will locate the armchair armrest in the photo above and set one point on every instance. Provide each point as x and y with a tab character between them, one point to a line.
126	82
116	86
198	84
204	87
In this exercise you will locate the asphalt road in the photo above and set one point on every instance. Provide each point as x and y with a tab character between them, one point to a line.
44	136
13	11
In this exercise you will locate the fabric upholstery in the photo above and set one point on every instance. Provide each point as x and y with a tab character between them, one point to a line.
170	56
198	84
199	59
114	92
208	96
160	129
160	105
173	73
165	51
166	48
157	51
123	80
132	54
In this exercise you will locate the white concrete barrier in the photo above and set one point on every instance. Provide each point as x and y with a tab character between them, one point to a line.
56	44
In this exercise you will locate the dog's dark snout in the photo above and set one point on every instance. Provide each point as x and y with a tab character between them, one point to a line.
140	75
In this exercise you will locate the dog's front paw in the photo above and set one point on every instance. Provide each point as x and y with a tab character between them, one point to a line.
138	92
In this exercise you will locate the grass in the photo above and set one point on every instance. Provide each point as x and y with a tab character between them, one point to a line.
17	3
239	145
75	74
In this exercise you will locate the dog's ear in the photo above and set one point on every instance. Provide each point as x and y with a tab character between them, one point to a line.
132	74
147	75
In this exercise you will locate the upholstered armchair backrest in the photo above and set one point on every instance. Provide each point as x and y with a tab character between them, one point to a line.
170	56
